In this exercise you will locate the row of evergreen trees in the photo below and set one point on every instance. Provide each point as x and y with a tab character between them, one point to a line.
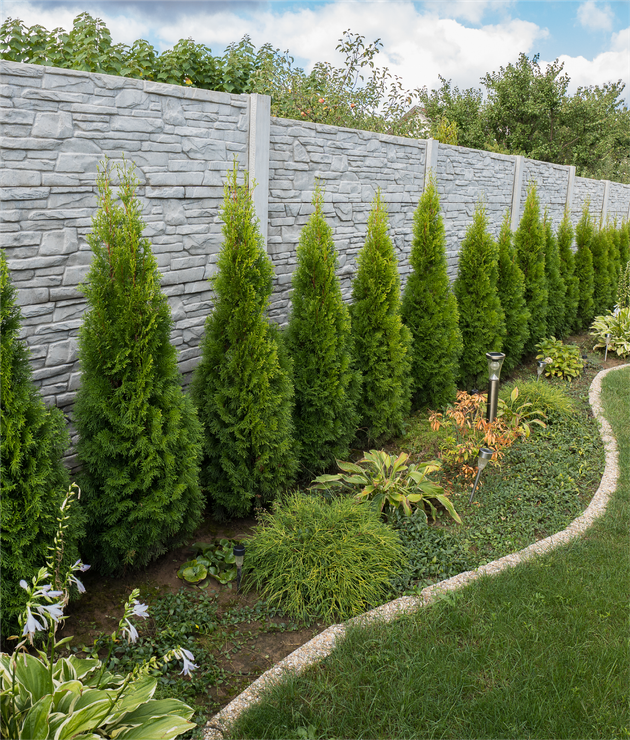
266	404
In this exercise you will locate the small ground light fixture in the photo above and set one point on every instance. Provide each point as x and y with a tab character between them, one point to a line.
607	343
495	360
485	455
239	554
540	368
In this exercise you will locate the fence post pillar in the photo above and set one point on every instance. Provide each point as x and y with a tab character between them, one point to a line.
258	155
515	212
570	184
430	159
605	201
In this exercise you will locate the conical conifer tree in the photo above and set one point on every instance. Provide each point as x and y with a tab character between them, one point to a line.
481	316
567	270
511	290
614	242
382	343
242	385
429	308
33	479
530	250
319	342
139	437
624	244
555	284
584	270
602	285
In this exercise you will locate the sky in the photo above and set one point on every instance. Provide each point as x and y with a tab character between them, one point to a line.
461	40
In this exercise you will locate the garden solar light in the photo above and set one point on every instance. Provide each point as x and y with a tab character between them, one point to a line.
485	455
540	368
495	360
239	554
607	343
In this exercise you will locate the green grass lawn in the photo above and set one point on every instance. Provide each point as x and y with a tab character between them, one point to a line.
540	651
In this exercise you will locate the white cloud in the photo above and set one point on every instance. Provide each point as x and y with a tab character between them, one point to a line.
595	17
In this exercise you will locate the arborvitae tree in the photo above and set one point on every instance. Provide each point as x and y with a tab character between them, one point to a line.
319	342
602	285
429	308
511	290
530	250
33	480
624	244
481	317
242	385
567	270
584	270
139	437
555	283
382	343
614	243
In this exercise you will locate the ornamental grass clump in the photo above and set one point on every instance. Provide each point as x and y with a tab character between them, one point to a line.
33	439
139	437
242	385
330	560
382	343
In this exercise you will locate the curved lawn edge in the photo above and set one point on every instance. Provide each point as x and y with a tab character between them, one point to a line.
323	644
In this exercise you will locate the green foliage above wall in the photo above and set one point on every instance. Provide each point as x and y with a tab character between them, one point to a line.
429	308
382	343
242	386
139	437
481	316
319	342
511	291
33	479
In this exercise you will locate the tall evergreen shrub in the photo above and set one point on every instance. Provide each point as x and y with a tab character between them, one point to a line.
567	270
139	437
602	284
382	343
511	290
584	270
33	480
614	243
429	308
481	316
242	386
555	283
624	244
530	249
319	342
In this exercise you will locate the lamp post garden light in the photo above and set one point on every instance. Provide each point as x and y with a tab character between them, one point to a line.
540	368
495	360
239	554
485	455
607	343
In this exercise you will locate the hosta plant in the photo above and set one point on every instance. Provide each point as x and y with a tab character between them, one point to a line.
214	560
563	360
389	483
69	697
618	326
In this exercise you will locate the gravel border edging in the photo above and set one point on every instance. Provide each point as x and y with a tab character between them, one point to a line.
322	645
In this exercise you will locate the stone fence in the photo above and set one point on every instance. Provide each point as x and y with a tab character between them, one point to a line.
58	124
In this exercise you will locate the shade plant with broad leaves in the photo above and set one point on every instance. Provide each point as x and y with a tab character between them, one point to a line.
139	436
48	697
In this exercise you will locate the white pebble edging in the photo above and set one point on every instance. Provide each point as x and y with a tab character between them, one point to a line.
322	645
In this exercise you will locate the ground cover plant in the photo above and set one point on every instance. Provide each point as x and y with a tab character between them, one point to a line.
139	437
563	360
538	651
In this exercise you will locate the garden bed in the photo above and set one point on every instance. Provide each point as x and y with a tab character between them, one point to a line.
236	637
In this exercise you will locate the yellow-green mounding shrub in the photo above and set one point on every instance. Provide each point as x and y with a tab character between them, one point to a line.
318	559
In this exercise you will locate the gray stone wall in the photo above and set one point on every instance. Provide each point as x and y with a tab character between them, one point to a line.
58	124
349	166
466	177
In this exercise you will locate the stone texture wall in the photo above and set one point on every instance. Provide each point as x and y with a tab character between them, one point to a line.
58	124
349	166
